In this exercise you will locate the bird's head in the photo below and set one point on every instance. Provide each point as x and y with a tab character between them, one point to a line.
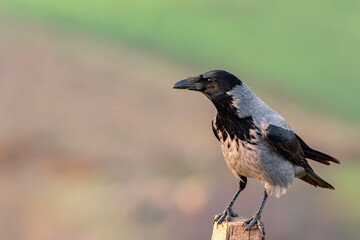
213	83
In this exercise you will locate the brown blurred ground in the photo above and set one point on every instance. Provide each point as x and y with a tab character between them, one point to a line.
94	143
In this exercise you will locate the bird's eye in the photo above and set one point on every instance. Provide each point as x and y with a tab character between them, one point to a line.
209	80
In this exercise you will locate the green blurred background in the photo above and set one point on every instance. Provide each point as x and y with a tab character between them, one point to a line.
94	143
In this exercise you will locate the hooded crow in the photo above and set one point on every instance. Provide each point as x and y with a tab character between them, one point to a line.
255	140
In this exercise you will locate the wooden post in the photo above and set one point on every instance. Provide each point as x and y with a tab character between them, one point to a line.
234	230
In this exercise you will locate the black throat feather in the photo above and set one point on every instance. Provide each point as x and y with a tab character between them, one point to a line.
228	121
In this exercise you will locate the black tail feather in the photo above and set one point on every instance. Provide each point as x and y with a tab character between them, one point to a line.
309	180
316	155
312	178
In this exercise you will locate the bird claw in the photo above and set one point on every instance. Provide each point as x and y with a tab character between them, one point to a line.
251	222
226	215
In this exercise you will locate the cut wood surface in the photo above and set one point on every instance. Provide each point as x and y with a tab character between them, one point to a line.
234	230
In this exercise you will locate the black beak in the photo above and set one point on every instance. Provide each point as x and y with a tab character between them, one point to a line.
186	84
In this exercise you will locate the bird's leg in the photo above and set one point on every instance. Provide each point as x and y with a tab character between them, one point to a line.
257	216
228	212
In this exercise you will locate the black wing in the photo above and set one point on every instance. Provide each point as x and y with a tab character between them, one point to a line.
286	144
316	155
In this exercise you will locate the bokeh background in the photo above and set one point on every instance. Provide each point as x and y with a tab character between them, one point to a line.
95	144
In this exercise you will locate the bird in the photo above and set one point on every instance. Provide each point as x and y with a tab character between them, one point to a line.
256	141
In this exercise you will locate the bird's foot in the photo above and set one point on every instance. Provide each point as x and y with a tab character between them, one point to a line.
226	215
251	222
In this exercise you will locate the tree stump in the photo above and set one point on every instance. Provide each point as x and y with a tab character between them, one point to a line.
234	230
